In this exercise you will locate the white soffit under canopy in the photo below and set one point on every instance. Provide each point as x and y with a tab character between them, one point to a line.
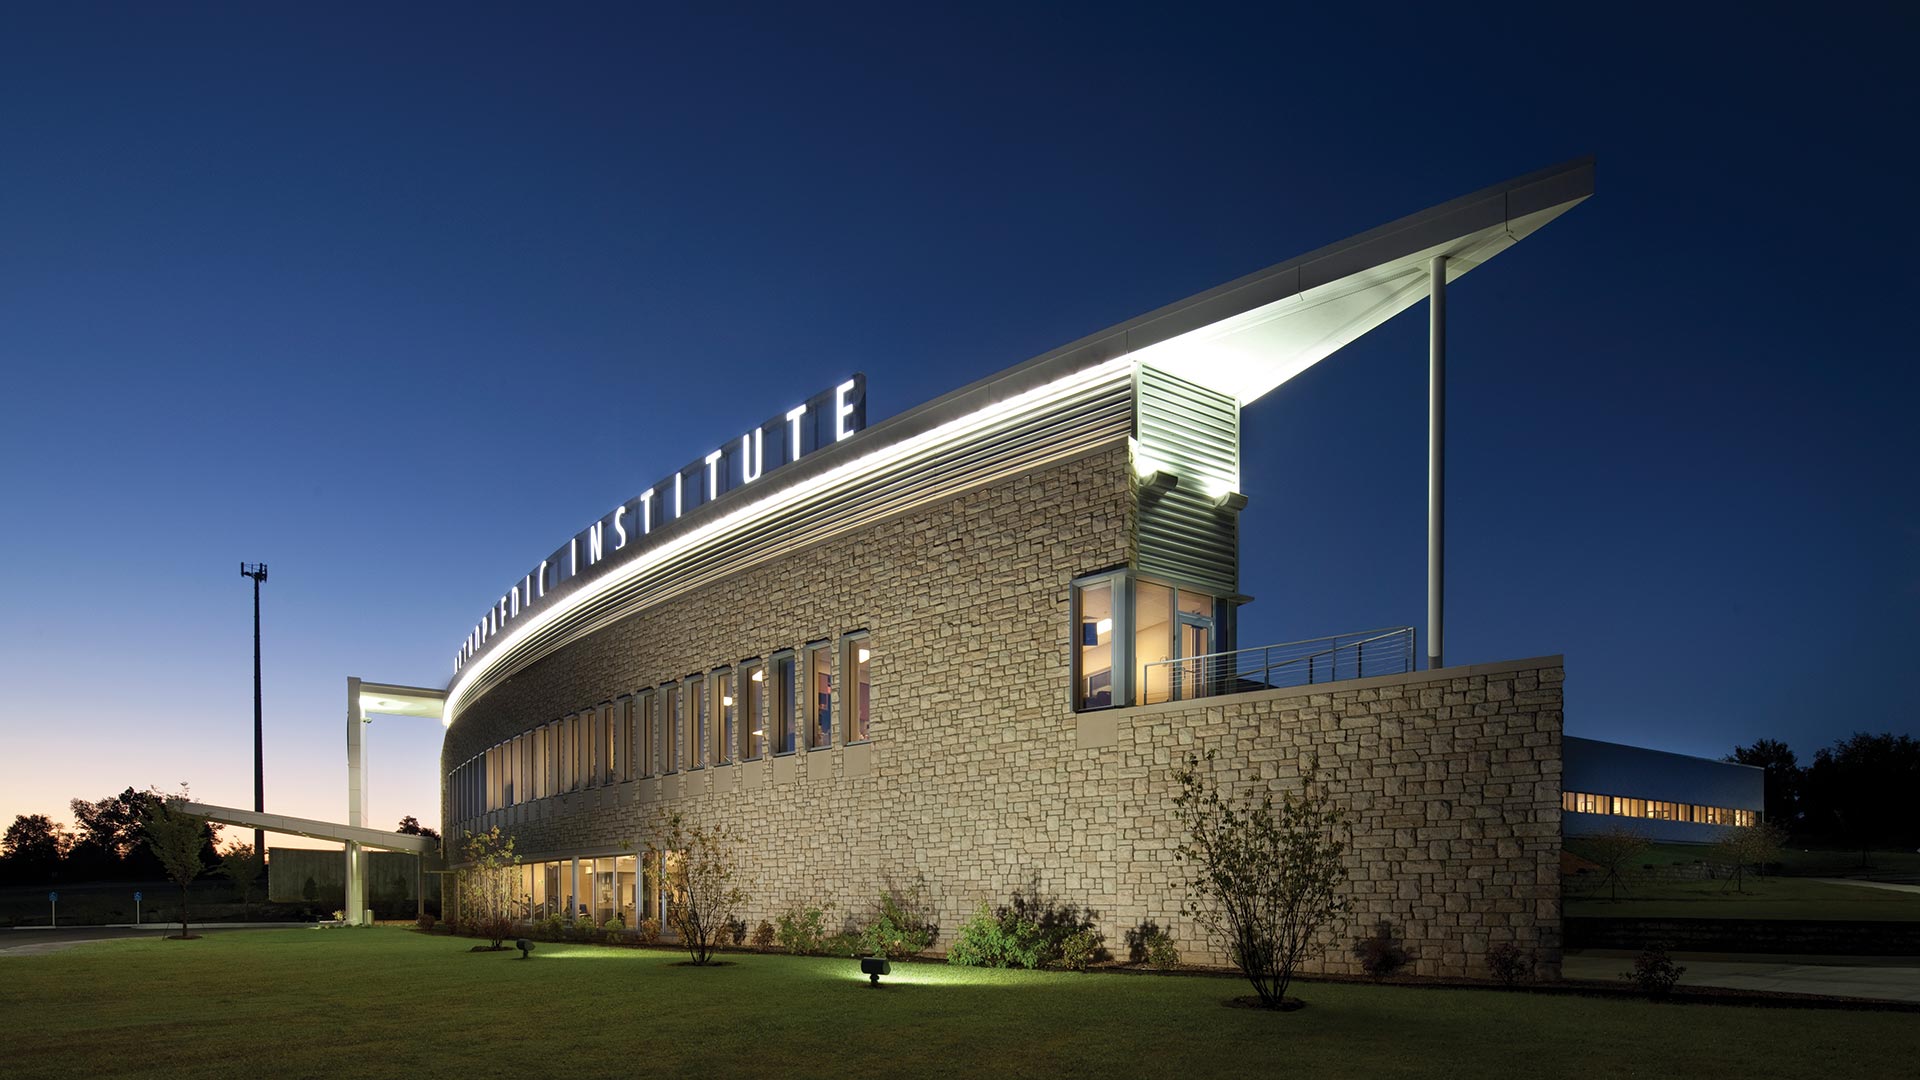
1249	336
392	700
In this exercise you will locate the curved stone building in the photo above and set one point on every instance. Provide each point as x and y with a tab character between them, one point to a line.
965	645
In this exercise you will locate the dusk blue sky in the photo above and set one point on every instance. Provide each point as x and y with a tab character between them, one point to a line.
395	299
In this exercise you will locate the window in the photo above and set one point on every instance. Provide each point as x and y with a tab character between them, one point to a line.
1093	646
753	688
781	701
625	739
1153	642
506	774
858	688
650	733
725	738
595	748
609	745
820	696
673	714
697	714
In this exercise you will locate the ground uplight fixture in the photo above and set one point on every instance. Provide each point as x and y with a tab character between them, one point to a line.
525	947
873	967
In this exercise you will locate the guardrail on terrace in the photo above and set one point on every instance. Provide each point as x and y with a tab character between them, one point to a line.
1294	663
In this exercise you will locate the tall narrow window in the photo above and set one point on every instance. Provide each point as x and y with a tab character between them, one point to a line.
781	701
596	749
650	733
1093	647
753	721
610	744
674	711
697	722
858	688
563	729
819	696
725	738
625	739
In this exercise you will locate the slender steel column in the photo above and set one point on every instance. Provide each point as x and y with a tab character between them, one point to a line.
1436	455
258	573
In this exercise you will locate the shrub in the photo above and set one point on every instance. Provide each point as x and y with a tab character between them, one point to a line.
615	925
1161	952
1381	954
698	874
1507	963
555	926
425	922
735	930
1081	948
1007	938
901	923
801	930
1654	972
648	931
490	886
1148	944
1267	877
311	890
763	935
844	943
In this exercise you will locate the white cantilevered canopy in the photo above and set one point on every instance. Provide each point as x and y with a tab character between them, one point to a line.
363	700
1249	336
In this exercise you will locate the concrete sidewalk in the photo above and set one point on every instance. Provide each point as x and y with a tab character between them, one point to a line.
1865	884
1884	978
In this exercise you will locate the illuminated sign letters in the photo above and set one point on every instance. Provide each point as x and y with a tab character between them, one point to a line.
623	532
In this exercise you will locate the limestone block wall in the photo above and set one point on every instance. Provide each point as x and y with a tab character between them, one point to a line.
980	779
1450	780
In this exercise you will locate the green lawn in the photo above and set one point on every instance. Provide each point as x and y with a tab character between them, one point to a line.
1773	897
386	1002
1760	898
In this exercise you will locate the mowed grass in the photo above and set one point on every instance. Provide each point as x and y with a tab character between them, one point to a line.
390	1003
1759	898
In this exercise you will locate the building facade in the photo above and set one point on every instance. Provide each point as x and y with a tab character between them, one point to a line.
1674	798
966	647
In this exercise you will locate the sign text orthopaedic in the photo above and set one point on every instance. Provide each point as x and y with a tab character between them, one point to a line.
625	531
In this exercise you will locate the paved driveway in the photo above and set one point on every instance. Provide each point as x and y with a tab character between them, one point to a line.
1888	978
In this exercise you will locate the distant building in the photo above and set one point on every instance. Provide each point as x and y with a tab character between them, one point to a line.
1662	796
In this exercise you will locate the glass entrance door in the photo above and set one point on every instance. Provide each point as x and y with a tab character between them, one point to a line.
1195	679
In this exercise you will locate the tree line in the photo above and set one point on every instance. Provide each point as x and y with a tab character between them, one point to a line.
110	841
1858	793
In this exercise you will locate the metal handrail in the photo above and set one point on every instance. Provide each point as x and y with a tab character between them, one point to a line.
1386	651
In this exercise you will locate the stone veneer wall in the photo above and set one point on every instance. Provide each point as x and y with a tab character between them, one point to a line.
980	778
1450	780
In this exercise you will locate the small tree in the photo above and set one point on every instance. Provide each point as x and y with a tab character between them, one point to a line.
490	891
1741	846
176	839
243	866
1614	851
697	870
1267	878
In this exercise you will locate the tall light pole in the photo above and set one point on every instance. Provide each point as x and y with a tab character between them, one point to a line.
258	572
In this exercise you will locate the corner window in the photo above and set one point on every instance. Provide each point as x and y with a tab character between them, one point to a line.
1093	646
857	686
819	696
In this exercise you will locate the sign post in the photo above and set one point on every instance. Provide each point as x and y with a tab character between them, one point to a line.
53	901
136	909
